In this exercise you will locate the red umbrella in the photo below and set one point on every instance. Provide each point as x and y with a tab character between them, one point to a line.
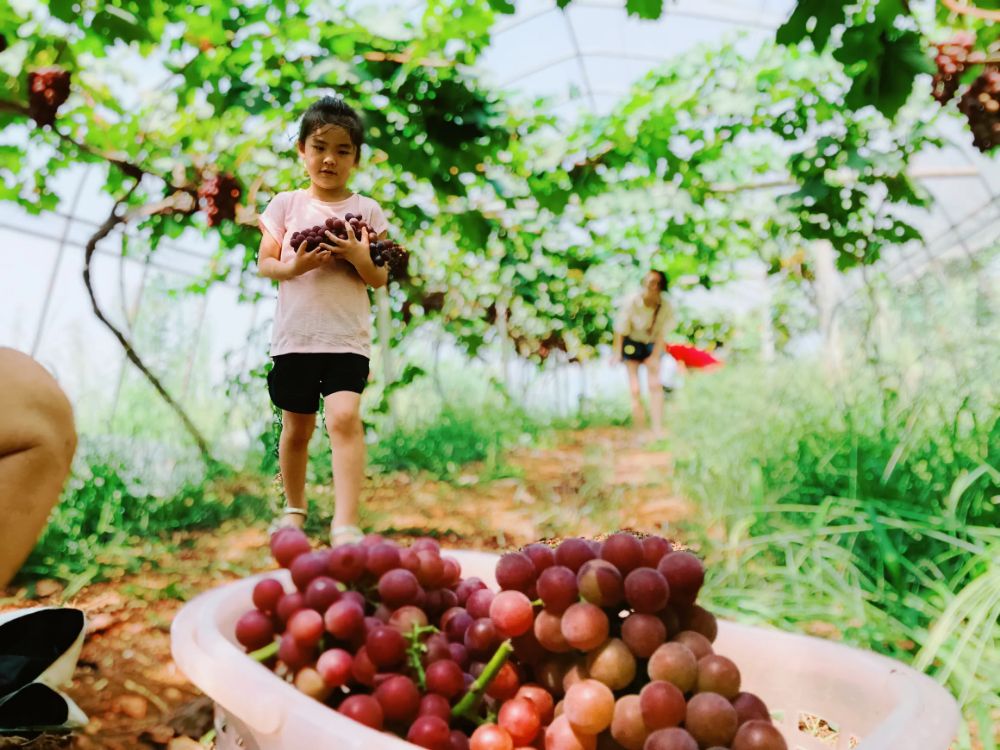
692	356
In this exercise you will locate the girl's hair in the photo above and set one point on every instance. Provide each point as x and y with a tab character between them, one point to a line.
664	280
332	110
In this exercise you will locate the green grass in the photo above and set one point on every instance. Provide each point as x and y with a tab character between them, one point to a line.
866	503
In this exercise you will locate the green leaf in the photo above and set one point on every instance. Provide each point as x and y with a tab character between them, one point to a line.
64	10
562	4
814	19
502	6
649	9
115	23
887	78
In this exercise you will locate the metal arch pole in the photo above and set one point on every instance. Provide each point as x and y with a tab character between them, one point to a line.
194	344
47	300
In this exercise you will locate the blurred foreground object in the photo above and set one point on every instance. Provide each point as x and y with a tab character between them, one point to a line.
39	649
37	442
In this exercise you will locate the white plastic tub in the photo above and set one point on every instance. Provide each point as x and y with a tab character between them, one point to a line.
867	701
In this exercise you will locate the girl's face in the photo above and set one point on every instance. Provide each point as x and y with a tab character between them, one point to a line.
329	157
651	284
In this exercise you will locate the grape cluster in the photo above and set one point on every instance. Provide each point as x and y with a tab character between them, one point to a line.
952	58
981	105
620	638
586	645
48	88
384	252
219	195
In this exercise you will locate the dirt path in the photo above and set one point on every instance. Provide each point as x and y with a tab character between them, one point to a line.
586	483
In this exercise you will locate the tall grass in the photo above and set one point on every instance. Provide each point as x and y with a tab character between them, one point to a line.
861	506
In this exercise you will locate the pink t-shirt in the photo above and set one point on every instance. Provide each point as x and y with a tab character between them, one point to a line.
325	310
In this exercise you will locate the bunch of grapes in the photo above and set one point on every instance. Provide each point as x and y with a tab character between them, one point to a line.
952	58
588	644
384	252
219	195
48	88
613	629
981	105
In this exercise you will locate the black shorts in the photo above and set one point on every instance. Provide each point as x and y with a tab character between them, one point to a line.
298	381
636	350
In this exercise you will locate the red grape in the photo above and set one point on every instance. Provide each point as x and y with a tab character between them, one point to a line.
512	613
653	549
520	718
321	592
759	735
541	698
444	677
363	669
398	587
662	705
574	552
643	634
364	709
382	558
478	603
433	704
673	738
542	556
585	626
386	647
406	618
490	737
560	735
344	619
515	571
557	588
267	593
334	667
293	653
711	719
717	674
685	574
505	684
287	544
589	706
254	630
346	562
306	567
646	590
306	627
431	732
624	551
288	605
399	698
600	582
748	707
465	588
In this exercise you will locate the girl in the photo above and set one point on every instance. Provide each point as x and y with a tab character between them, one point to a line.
639	330
321	341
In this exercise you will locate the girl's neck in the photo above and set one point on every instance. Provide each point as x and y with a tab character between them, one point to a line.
650	301
330	196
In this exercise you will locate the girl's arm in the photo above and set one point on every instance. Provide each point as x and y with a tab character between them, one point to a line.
270	265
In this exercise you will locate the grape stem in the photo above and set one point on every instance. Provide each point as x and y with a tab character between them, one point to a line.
465	707
265	653
417	648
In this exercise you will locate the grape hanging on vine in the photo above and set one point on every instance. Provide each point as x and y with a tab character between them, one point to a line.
981	105
219	195
952	58
48	88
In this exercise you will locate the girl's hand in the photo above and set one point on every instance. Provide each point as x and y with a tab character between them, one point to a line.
356	251
306	261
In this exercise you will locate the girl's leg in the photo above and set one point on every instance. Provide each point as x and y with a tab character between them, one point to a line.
293	457
638	413
655	393
343	424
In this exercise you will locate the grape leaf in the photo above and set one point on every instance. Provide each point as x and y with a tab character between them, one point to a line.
883	65
825	13
649	9
502	6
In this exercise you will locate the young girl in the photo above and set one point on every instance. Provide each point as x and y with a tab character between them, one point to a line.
321	340
639	330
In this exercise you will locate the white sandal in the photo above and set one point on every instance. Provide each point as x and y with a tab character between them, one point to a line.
345	534
282	521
